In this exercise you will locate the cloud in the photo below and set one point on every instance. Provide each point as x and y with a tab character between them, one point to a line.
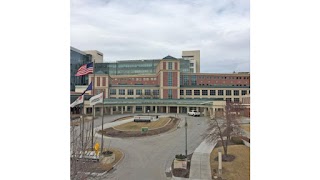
143	29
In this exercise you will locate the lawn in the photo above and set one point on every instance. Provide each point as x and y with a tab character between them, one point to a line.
246	127
239	168
136	126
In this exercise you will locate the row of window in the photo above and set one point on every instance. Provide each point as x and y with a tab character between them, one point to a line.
131	92
222	77
212	92
135	79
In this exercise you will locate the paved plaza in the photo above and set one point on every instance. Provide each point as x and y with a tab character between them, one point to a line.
150	157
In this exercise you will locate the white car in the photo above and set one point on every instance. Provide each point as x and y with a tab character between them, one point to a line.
193	113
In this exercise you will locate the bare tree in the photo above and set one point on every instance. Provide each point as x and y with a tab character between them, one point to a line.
80	142
227	127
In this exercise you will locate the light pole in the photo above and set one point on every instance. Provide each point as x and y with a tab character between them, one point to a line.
186	130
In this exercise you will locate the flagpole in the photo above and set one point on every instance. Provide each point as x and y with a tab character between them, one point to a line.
82	112
93	110
102	121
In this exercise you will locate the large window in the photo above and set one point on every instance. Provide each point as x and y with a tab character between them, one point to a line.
138	92
204	92
122	92
169	78
220	92
130	91
189	92
147	92
169	65
212	92
113	91
193	80
236	100
181	92
170	94
156	92
228	92
243	92
196	92
236	92
228	99
185	80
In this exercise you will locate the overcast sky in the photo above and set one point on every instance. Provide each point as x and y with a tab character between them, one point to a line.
153	29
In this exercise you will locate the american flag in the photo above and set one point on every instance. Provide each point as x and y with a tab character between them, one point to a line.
85	69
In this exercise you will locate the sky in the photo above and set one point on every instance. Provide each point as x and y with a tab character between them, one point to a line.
153	29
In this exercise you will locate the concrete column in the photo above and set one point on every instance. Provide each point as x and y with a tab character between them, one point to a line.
133	109
111	110
125	108
167	109
178	109
84	110
156	109
144	109
213	112
121	109
94	111
198	109
205	111
188	109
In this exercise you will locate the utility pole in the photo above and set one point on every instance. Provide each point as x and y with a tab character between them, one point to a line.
186	130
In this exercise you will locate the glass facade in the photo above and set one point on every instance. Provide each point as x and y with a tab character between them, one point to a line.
77	59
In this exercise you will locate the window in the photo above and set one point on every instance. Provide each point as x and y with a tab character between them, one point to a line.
212	92
169	65
181	92
243	92
189	92
113	92
170	94
193	80
98	81
228	92
228	99
220	92
185	80
191	64
204	92
236	92
236	99
104	81
147	92
138	92
169	78
130	91
156	92
196	92
122	92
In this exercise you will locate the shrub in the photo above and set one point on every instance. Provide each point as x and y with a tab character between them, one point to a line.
180	156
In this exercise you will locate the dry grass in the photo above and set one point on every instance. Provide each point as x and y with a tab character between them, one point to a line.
246	127
136	126
100	167
239	168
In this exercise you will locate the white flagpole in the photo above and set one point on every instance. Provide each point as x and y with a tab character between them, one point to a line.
102	122
93	110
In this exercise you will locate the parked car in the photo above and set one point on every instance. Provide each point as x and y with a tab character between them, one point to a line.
193	113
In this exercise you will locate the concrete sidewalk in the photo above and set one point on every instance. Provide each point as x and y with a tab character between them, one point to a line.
200	161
